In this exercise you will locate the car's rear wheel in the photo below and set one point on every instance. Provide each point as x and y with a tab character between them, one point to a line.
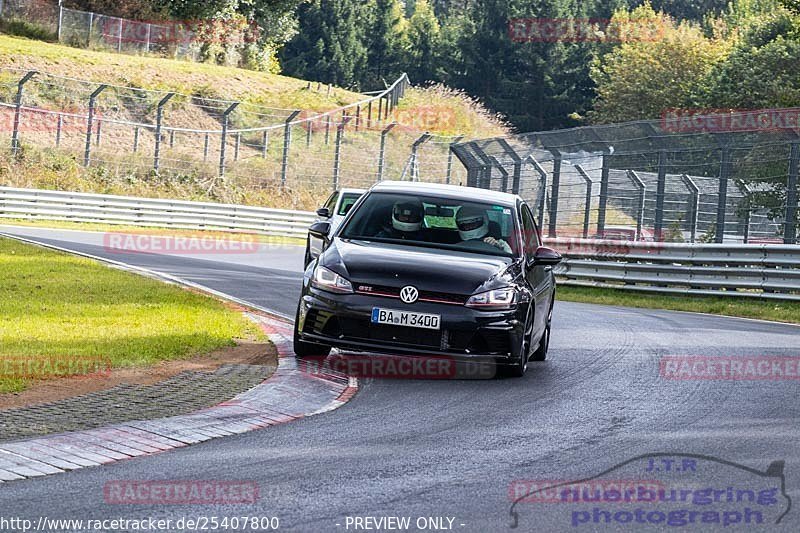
307	349
519	367
541	352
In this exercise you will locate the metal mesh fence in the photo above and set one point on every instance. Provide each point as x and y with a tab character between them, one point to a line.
644	180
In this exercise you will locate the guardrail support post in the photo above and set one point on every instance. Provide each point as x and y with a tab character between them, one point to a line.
449	175
634	177
382	153
542	188
722	201
18	110
587	210
694	206
287	142
425	137
658	225
603	200
224	137
159	120
87	154
790	224
553	218
337	158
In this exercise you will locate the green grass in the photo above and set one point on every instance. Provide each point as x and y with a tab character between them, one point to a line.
778	311
55	305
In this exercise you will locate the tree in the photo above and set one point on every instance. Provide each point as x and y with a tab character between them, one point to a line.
423	43
330	48
641	79
386	41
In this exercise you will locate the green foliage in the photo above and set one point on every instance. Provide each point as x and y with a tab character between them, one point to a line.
23	28
423	43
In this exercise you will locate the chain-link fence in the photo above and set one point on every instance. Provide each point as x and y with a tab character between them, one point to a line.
724	177
180	39
222	144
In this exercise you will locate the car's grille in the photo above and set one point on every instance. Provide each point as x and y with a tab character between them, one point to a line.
424	296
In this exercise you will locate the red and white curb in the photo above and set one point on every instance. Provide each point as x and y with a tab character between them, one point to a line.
289	394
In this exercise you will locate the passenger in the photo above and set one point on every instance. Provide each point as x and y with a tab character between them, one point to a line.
407	221
473	227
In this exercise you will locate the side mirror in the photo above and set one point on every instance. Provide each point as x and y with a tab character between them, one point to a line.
324	212
320	229
545	257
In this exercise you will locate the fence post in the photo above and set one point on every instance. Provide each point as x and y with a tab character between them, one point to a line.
287	140
358	117
119	42
159	120
147	39
337	159
587	202
237	145
382	153
136	139
694	206
790	224
205	147
18	110
88	151
380	109
97	133
265	144
327	129
553	219
309	131
415	155
722	201
634	177
224	137
369	114
455	141
658	225
542	188
748	210
60	20
89	33
602	202
59	126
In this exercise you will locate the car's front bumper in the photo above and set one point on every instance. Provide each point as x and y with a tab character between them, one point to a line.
344	321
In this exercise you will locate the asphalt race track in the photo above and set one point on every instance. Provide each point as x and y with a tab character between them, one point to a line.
460	449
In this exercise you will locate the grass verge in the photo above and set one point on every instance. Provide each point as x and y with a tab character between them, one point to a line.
778	311
56	306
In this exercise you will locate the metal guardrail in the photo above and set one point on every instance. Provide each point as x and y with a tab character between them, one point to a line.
758	271
127	210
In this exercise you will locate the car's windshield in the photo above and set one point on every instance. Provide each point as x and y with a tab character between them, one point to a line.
418	220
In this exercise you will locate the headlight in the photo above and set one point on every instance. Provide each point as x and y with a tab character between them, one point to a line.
492	300
328	280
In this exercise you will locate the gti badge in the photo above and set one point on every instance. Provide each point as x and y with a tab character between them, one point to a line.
409	294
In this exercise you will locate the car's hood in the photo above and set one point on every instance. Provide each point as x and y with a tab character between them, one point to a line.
427	269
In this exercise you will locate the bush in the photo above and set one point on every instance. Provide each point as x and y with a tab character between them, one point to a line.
31	30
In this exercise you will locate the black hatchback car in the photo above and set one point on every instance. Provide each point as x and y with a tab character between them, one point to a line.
431	270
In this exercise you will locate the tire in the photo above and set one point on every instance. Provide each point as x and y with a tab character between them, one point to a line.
307	349
518	369
541	352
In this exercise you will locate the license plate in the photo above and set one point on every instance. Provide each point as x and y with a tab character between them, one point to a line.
405	318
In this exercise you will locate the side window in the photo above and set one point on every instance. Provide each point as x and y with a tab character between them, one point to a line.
331	203
530	237
347	202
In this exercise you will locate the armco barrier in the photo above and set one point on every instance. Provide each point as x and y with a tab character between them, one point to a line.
760	271
128	210
747	270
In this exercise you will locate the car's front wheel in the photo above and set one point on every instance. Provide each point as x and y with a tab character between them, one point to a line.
518	368
307	349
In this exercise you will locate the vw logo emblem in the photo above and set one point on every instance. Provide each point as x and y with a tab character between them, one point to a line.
409	294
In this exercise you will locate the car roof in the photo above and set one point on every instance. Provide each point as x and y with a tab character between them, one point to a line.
450	192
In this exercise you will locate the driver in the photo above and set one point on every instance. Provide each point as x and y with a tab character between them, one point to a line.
473	226
407	218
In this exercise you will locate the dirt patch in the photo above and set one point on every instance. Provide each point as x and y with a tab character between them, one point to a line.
44	391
